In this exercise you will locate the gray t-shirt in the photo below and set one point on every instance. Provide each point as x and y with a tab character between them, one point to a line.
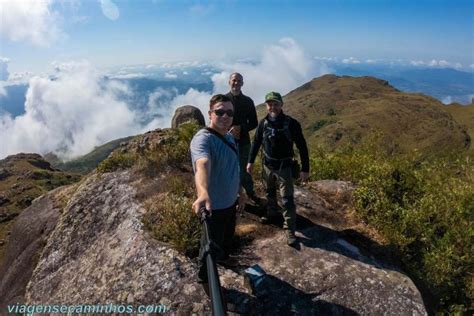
224	178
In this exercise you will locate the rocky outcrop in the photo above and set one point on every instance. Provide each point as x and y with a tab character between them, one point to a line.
185	114
99	252
29	235
328	275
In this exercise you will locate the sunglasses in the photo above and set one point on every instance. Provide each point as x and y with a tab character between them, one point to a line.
220	112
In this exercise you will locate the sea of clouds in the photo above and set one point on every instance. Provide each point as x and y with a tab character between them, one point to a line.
77	107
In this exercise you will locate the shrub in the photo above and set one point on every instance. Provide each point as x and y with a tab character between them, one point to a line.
171	153
424	208
170	216
117	161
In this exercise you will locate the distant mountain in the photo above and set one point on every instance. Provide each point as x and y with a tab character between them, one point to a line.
24	177
446	84
337	111
88	162
463	114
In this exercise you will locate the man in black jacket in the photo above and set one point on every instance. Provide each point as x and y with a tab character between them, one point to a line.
245	120
277	132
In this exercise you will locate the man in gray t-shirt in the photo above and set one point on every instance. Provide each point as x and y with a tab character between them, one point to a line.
216	167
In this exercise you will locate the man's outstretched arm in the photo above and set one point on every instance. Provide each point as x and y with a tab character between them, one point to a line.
201	178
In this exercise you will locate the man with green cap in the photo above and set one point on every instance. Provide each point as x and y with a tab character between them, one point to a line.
278	132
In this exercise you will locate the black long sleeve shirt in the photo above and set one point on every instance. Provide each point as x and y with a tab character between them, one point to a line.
245	115
282	147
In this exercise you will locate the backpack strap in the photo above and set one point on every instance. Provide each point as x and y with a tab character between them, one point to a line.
285	129
231	146
286	132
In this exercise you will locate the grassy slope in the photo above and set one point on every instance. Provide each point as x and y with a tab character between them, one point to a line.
464	114
336	111
88	162
25	177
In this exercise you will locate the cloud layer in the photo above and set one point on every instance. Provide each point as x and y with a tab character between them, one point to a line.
109	9
30	20
282	67
69	114
78	108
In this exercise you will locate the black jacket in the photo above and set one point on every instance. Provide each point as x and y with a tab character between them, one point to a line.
245	115
280	147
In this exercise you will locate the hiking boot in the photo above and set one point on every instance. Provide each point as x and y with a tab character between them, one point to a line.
229	262
290	238
256	200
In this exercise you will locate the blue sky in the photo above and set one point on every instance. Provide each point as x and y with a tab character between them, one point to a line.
67	67
151	31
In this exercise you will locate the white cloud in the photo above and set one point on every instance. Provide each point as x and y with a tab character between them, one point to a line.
170	75
201	9
436	63
158	102
447	100
326	58
4	68
10	79
444	64
283	66
417	63
30	20
110	9
69	115
193	97
16	78
351	60
79	108
131	75
182	64
371	61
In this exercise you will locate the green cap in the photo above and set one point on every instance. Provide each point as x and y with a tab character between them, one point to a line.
273	96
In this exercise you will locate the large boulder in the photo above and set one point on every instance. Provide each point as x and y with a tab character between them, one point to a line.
185	114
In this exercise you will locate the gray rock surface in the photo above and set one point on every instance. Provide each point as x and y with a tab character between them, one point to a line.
185	114
28	237
328	275
100	253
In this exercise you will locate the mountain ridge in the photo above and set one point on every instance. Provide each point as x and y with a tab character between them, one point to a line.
339	111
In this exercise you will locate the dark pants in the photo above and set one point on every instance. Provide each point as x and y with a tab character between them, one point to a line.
282	179
245	177
221	231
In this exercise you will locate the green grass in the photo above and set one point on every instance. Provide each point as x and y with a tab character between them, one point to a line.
169	214
170	217
117	161
26	181
88	162
424	207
